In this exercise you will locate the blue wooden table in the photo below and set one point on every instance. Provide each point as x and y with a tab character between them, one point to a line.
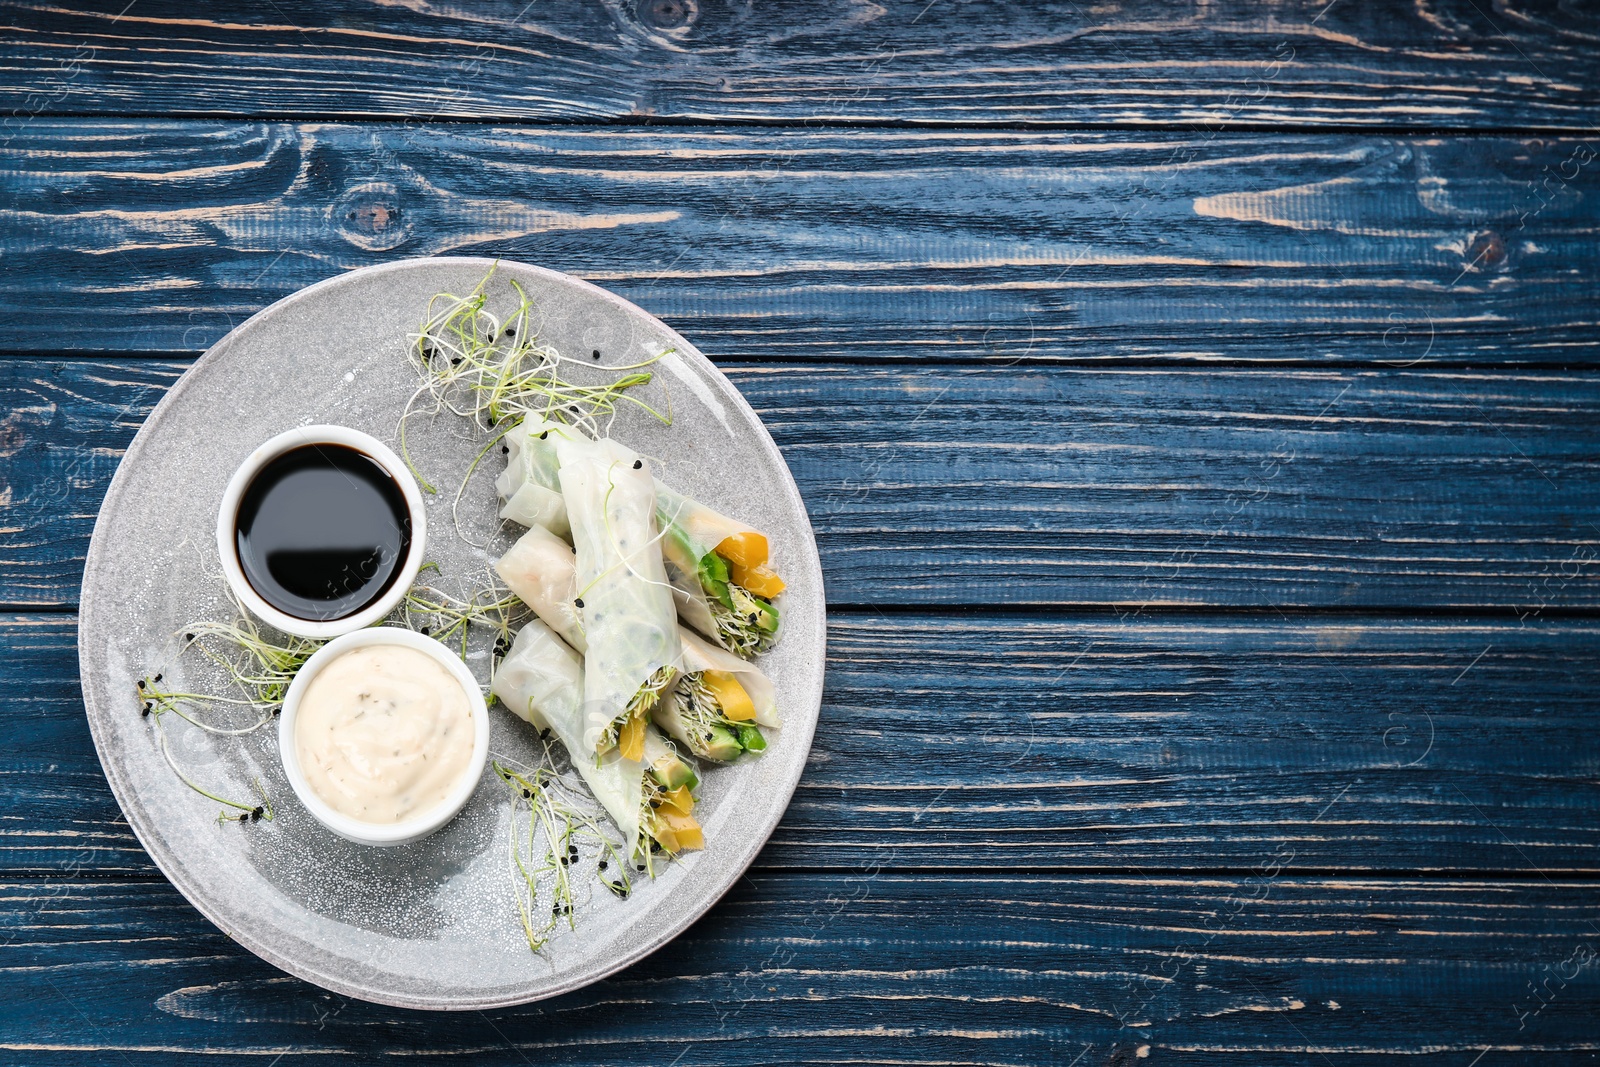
1198	408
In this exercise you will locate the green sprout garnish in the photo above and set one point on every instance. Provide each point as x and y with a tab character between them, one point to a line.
746	623
648	695
258	669
559	835
445	618
494	371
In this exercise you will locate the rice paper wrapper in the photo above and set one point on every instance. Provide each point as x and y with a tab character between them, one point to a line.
542	571
701	655
630	621
541	681
692	532
531	483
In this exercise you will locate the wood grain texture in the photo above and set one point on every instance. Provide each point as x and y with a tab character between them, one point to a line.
1049	485
1088	743
1451	63
811	970
836	245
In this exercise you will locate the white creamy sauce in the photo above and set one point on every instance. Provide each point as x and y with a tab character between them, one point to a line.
383	732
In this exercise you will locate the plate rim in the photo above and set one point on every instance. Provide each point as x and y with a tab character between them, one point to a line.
176	872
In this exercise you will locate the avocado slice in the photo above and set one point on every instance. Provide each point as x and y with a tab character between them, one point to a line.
751	738
723	745
671	772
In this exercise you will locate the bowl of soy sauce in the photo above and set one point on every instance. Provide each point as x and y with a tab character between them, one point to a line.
321	531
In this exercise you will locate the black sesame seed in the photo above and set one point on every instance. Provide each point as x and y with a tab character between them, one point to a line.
597	353
188	637
157	678
511	331
141	683
456	362
638	463
579	602
144	714
752	616
544	435
602	865
505	450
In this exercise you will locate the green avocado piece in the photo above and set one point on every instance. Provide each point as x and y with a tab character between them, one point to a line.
714	578
723	745
751	738
671	772
769	615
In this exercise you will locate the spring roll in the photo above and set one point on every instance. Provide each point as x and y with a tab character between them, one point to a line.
630	624
530	485
543	572
719	574
718	704
719	700
718	567
541	682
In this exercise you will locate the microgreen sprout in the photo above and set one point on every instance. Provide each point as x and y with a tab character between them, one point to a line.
647	696
257	666
258	669
493	371
559	837
242	812
740	625
710	732
450	619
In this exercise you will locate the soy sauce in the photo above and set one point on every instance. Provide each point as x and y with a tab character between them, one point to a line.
322	532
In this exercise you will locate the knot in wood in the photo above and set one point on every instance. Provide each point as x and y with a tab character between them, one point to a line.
1486	250
669	15
370	216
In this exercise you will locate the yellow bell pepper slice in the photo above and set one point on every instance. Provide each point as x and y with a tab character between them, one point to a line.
761	580
744	549
664	834
736	703
685	830
678	799
630	739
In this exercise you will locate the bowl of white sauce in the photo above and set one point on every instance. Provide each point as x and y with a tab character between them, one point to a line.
384	734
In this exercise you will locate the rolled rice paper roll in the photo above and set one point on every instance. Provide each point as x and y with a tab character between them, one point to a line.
542	570
717	702
700	655
630	622
531	483
541	681
701	580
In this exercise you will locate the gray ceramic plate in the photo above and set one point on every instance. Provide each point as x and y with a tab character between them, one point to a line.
430	925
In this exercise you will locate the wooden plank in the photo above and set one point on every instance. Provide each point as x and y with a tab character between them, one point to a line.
1050	485
1080	743
1450	64
925	969
835	245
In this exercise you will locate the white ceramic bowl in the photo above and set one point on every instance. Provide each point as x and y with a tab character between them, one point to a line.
418	826
228	518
